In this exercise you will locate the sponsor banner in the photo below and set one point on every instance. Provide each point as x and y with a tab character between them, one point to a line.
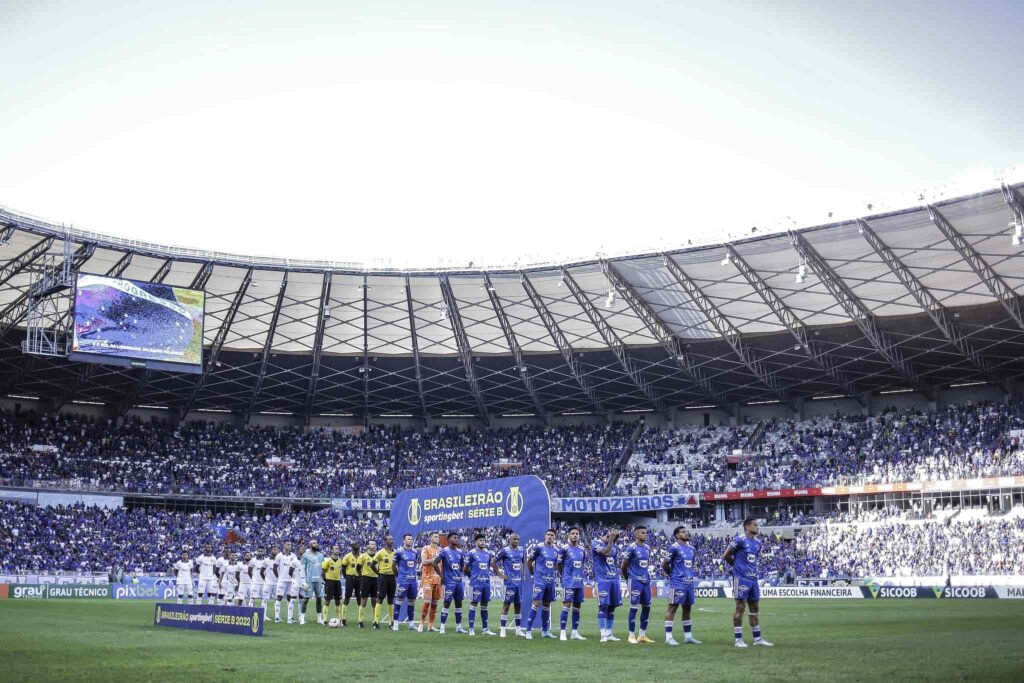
53	591
779	493
930	592
672	501
519	503
361	504
146	588
243	621
1010	592
816	592
53	578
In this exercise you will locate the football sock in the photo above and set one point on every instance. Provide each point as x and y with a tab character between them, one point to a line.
545	618
483	617
645	617
277	609
472	616
530	619
668	628
458	616
632	619
575	618
609	621
563	618
757	632
376	613
738	632
410	611
360	613
687	627
602	616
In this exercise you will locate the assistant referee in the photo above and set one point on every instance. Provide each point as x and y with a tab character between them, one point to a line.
331	571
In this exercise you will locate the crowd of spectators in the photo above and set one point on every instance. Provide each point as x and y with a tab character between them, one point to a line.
91	539
958	442
207	458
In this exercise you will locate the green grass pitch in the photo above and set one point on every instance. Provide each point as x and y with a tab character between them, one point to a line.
815	640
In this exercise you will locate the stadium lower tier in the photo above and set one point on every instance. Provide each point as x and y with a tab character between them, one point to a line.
91	539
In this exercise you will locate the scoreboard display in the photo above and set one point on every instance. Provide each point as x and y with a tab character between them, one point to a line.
137	324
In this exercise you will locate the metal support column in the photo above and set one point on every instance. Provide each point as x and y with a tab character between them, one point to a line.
318	343
268	344
416	352
462	343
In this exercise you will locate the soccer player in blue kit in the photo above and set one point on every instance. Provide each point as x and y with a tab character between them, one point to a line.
679	569
606	573
478	568
405	563
742	556
635	563
542	562
508	564
570	564
449	564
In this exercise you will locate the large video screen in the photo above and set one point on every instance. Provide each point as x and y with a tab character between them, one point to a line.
138	324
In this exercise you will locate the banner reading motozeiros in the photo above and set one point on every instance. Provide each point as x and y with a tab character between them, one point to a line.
520	503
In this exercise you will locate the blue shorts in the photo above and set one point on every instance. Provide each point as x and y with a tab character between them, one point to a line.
481	594
681	595
609	593
454	591
408	591
513	594
639	593
746	589
545	592
316	589
573	595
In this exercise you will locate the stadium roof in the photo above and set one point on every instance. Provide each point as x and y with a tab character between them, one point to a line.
916	299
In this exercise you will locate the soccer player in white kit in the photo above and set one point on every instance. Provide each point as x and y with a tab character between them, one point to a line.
244	581
222	566
283	570
256	590
299	585
229	580
208	584
183	578
269	578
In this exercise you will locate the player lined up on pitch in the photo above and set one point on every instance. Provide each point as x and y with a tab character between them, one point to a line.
385	580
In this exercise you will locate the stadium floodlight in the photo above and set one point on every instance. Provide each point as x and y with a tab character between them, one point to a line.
801	272
610	301
726	260
561	280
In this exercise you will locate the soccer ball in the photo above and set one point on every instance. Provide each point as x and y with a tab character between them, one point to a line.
334	623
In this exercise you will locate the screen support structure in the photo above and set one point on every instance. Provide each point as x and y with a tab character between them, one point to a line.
48	299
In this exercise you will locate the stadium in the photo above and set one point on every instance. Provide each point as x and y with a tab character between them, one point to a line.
345	469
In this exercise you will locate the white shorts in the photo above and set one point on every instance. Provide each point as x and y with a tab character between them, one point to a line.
229	592
296	590
268	590
283	588
244	592
208	586
256	591
185	588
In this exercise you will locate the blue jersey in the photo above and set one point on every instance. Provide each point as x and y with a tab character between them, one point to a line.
405	561
452	561
546	561
745	557
479	568
511	561
605	568
680	561
639	556
571	559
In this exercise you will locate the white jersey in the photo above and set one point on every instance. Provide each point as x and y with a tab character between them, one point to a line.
257	570
228	578
299	575
284	566
222	566
245	568
206	564
183	571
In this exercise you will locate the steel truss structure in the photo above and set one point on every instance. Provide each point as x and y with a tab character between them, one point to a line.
916	300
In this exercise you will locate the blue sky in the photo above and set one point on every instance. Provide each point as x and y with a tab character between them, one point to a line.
495	132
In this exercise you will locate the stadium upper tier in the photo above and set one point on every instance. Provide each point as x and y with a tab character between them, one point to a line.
919	299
